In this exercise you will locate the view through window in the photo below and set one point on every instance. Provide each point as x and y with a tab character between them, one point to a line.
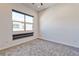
22	21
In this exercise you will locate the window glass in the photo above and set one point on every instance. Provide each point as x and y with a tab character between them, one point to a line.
29	19
17	26
17	16
21	21
29	26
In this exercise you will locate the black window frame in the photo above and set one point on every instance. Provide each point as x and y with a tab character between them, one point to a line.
21	12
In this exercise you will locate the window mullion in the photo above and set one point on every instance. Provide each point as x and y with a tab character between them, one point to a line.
29	23
24	23
18	21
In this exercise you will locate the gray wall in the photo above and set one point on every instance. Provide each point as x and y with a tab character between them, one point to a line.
6	24
60	24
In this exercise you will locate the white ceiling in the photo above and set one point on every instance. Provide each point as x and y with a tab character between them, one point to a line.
38	7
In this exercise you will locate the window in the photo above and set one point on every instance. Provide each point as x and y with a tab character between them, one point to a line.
29	22
22	21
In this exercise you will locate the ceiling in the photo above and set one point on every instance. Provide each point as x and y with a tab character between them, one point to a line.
38	6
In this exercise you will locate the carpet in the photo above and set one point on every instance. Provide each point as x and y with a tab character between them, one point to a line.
39	47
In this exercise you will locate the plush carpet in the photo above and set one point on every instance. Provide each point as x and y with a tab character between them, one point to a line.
39	47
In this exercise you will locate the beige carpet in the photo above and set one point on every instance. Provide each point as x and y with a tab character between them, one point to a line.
40	47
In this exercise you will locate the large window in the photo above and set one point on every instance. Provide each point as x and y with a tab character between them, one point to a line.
22	21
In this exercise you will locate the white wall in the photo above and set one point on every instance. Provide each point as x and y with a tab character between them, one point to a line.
60	24
6	24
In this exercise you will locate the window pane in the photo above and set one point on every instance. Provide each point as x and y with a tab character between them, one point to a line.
29	27
17	16
29	19
17	26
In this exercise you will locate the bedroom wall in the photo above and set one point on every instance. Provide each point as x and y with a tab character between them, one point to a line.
6	24
60	24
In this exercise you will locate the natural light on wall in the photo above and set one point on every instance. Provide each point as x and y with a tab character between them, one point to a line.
22	22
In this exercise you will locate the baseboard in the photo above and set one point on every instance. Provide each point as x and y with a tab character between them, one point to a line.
2	49
60	43
41	39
